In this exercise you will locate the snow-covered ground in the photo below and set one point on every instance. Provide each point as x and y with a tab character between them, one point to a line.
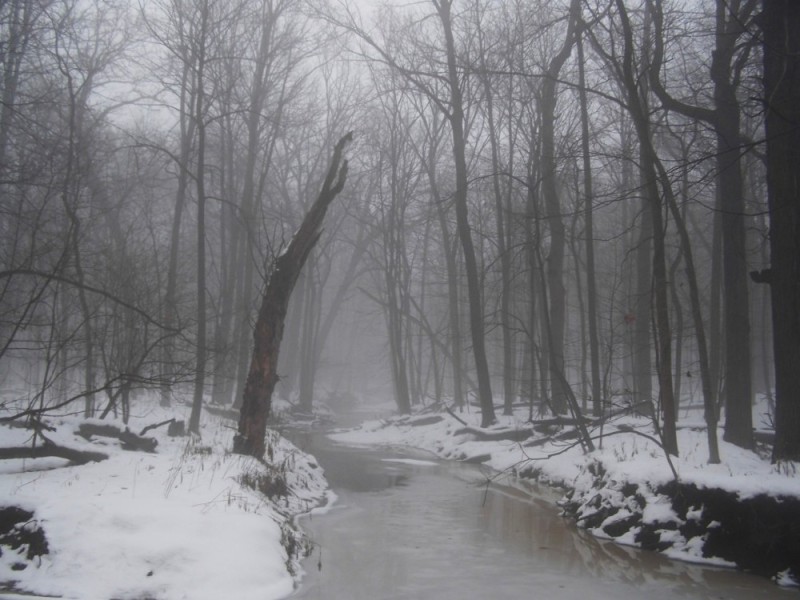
624	460
625	455
179	523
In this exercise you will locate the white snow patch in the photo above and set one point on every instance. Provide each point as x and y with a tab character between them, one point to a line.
410	461
175	524
785	579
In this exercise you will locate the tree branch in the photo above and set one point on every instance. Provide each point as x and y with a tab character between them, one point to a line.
108	295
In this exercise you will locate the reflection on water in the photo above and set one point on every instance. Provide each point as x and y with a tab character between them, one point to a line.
410	531
359	472
525	525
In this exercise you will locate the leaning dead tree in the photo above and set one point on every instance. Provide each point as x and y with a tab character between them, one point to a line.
262	376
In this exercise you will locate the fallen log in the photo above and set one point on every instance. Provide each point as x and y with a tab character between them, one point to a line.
131	441
50	450
89	430
559	421
477	459
128	439
421	421
494	435
569	434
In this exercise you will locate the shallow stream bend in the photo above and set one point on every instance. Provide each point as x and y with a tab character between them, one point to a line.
408	527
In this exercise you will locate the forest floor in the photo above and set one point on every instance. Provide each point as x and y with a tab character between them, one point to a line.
186	520
740	513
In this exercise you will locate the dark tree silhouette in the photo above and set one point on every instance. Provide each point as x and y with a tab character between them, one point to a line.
781	28
263	375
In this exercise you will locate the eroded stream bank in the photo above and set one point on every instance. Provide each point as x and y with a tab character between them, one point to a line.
409	527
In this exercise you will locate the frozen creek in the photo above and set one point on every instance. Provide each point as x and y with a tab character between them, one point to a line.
409	527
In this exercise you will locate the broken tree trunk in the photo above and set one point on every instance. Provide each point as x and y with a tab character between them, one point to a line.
262	376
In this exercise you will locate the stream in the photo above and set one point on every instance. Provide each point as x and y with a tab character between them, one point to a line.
407	526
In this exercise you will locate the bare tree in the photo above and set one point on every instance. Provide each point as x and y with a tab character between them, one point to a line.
268	333
729	60
627	71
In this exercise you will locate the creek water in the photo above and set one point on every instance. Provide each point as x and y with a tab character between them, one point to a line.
406	526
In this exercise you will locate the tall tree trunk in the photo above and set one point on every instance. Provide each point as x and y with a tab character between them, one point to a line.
643	306
308	340
509	360
449	249
70	195
591	279
781	29
394	250
555	259
738	368
221	391
715	332
17	34
637	106
709	405
476	319
728	61
200	109
170	306
262	377
254	121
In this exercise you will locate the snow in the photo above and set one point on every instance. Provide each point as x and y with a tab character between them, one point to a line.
625	456
174	524
410	461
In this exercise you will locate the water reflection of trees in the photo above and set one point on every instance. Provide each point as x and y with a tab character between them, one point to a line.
534	527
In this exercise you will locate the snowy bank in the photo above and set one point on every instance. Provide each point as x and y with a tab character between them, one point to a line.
743	512
187	521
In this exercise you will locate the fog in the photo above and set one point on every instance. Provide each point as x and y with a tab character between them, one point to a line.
502	238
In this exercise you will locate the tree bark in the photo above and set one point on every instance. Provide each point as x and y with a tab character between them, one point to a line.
170	307
781	29
728	60
509	358
709	405
476	319
200	109
591	282
637	106
263	375
449	249
556	256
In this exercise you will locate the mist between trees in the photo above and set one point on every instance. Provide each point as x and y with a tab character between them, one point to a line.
549	203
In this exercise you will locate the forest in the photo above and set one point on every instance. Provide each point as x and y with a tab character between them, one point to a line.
573	206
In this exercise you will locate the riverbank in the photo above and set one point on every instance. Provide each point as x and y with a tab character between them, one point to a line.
185	520
741	513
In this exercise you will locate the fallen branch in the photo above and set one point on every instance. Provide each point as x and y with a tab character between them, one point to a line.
563	436
157	425
421	421
48	450
452	414
89	288
483	435
128	439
